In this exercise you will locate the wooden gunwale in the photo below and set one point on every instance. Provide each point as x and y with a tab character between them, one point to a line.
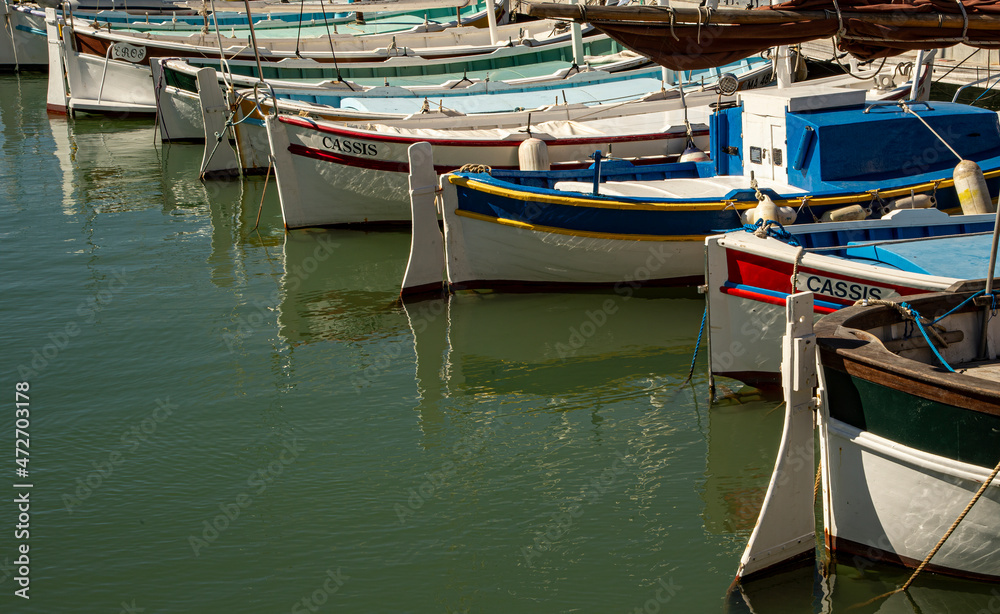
841	349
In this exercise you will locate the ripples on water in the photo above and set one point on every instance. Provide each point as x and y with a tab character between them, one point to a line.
489	453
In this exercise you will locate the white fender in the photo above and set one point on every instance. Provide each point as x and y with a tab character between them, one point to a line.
533	155
971	187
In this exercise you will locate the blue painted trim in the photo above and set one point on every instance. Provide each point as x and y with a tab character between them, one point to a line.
778	295
30	30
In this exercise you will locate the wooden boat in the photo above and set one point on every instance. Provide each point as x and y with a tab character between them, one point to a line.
909	428
907	437
23	39
589	88
538	229
748	277
353	173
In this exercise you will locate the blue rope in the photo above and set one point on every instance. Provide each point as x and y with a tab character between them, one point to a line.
778	233
704	316
960	305
920	326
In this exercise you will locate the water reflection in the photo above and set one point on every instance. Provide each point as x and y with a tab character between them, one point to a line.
861	587
571	352
739	467
340	285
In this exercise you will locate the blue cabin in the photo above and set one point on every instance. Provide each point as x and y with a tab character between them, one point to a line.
824	139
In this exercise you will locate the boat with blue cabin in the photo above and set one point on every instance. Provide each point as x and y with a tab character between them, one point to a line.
801	152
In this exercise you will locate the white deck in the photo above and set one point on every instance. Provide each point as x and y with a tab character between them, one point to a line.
680	188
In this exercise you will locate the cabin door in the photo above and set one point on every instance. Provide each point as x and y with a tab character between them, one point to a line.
776	156
766	141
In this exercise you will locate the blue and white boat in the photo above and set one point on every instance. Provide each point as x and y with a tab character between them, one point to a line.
402	83
748	277
809	151
484	103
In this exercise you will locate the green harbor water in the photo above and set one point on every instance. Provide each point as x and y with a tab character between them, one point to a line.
224	419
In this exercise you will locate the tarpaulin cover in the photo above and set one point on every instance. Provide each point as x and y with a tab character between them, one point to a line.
715	45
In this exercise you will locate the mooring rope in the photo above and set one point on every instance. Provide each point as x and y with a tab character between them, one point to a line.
909	313
697	345
819	479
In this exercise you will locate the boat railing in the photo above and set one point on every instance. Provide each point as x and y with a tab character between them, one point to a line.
994	76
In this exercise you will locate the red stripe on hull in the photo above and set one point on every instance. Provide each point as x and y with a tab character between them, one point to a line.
393	166
776	275
384	138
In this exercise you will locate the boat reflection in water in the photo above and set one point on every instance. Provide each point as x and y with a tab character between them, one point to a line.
855	586
509	343
738	467
341	285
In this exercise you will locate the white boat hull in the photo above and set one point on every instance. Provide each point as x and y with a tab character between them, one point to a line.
179	112
22	43
485	253
348	176
103	85
746	276
888	501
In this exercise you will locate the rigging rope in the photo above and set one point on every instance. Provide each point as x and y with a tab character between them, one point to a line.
767	228
907	109
965	21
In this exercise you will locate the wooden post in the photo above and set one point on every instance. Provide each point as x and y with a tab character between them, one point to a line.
491	20
578	57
